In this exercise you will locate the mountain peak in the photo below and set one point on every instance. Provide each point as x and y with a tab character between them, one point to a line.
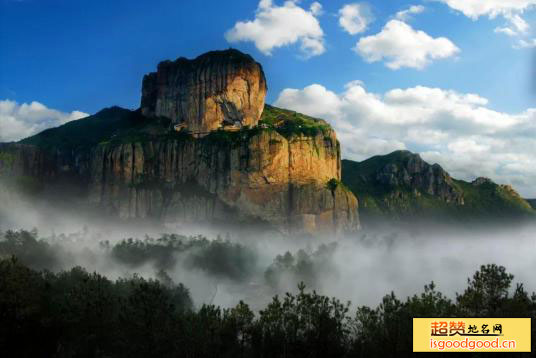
219	89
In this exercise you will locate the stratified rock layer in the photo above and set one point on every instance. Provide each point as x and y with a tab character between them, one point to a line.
216	89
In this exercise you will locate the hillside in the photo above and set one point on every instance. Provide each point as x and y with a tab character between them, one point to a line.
401	186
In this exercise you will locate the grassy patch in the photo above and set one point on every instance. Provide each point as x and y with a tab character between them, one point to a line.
290	123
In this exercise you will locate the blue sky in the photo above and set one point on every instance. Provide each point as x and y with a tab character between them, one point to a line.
74	55
86	55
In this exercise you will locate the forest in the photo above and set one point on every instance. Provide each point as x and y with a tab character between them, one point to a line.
76	313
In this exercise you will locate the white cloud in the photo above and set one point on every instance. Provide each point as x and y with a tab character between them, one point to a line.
457	130
277	26
402	46
491	8
404	15
18	121
518	23
517	26
316	8
354	18
531	43
505	30
511	10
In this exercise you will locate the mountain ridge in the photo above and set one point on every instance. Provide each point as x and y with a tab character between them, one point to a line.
401	186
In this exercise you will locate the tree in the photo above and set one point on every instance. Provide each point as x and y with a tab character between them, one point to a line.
487	292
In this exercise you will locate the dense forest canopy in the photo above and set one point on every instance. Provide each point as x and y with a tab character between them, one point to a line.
76	313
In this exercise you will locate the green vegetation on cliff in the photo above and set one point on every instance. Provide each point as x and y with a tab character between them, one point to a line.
117	125
288	123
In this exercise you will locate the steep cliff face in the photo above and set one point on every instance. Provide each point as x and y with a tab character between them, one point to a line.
265	176
216	89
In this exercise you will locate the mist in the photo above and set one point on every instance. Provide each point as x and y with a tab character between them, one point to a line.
223	268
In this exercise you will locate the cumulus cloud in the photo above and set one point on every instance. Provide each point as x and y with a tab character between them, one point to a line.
457	130
509	9
505	30
402	46
491	8
19	121
277	26
404	15
531	43
517	26
354	18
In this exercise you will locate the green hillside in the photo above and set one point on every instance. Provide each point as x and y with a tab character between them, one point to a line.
401	185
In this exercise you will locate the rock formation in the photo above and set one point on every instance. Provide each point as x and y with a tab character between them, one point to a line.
283	174
413	173
266	177
216	89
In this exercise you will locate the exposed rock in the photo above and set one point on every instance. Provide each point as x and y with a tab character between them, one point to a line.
216	89
265	178
409	171
268	177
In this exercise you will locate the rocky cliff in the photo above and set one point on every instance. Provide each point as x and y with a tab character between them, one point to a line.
216	89
264	176
282	172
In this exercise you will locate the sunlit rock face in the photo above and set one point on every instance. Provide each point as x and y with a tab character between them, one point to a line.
216	89
268	178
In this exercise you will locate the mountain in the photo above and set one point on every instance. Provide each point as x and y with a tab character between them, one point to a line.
203	148
401	186
214	88
532	202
